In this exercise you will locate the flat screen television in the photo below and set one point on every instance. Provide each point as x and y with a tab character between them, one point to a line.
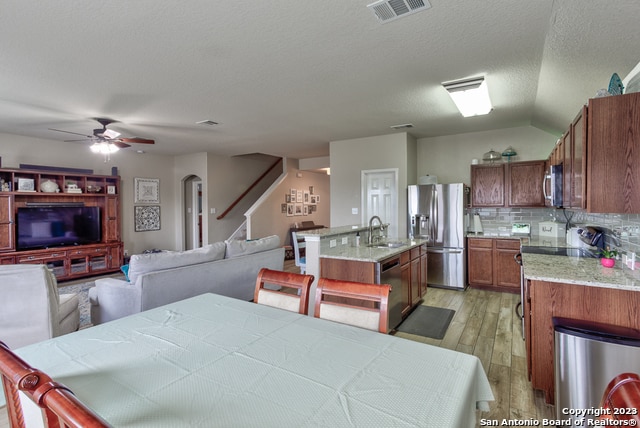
57	226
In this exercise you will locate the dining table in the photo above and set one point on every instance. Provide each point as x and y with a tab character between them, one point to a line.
215	361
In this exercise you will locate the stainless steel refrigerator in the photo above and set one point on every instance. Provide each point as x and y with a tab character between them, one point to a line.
436	212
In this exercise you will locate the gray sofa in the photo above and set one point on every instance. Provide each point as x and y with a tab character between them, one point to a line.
229	268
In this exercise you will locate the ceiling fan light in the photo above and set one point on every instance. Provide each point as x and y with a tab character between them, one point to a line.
470	96
104	148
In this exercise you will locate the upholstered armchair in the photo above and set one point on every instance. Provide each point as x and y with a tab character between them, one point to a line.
31	310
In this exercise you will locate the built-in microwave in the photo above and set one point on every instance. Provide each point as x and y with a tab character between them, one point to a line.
554	180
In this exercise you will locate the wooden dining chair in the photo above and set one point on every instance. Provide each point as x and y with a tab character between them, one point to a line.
286	290
355	303
35	400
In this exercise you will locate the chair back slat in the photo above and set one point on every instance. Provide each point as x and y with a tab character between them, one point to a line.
273	295
354	303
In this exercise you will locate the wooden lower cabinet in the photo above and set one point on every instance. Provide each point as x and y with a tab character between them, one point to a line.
491	264
592	304
507	270
73	262
480	261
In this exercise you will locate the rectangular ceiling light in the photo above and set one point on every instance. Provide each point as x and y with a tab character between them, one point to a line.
471	96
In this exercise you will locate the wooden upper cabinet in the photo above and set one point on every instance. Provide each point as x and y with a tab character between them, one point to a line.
516	184
566	161
613	154
578	160
487	185
524	183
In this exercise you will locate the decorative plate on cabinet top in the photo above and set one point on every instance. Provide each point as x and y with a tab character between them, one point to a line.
615	85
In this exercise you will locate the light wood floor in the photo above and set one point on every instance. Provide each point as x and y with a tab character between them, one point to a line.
484	325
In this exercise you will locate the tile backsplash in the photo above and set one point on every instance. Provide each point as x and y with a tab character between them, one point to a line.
621	230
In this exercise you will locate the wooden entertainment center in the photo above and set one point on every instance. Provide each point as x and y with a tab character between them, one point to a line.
21	188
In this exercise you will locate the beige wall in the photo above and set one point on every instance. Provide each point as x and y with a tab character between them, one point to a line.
350	157
268	219
449	157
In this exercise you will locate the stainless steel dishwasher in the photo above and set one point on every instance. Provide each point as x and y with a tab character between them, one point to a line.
388	272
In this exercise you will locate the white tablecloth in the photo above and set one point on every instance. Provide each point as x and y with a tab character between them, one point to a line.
213	361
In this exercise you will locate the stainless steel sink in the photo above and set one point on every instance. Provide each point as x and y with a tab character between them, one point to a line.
389	244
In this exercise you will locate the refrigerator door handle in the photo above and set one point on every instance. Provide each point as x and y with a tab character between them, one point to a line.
433	216
443	251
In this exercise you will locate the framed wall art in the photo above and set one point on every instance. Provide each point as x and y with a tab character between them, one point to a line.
147	217
147	190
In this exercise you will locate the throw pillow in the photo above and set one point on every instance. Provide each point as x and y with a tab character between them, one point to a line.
144	263
237	248
125	271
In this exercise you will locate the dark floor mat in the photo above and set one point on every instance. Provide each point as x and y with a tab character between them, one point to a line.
427	321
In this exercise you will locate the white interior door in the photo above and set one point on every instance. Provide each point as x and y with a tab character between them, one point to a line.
380	197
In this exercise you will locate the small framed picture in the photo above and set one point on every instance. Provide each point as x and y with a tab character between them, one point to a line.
298	208
147	190
283	208
25	185
314	199
305	197
111	190
299	196
287	198
290	210
305	210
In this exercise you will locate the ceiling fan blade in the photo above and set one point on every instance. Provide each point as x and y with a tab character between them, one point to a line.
69	132
120	144
79	141
137	140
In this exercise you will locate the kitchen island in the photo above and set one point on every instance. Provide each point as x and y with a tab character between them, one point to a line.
321	240
403	265
575	288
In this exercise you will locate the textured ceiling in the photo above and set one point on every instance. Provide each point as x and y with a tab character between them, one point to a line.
285	77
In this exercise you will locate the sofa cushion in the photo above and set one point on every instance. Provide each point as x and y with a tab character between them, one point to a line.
237	248
144	263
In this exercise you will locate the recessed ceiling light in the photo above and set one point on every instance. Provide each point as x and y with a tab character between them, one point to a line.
207	122
140	151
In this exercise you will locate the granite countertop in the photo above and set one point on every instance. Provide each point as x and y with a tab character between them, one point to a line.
368	254
331	231
579	270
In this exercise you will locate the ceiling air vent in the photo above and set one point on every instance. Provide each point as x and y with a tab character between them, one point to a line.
388	10
403	126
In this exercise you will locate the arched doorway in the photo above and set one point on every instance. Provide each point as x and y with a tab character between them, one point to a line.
192	212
